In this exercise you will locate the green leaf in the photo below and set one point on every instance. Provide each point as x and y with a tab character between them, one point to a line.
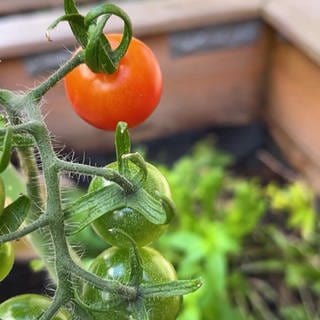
93	205
14	215
171	289
264	266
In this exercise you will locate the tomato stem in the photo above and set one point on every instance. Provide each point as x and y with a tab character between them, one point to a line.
40	223
108	174
60	299
45	223
112	286
45	86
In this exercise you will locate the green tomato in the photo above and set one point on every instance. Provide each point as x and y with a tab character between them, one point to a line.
114	264
28	307
6	259
6	249
2	196
130	221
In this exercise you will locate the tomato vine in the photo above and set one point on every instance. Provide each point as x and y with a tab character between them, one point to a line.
41	215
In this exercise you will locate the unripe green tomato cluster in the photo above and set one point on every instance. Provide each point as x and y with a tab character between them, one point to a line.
115	263
130	221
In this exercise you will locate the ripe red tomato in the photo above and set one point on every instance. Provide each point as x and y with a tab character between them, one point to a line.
114	263
130	94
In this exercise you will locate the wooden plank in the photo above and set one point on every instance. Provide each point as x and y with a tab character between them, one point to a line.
293	110
24	34
304	166
14	6
201	89
297	20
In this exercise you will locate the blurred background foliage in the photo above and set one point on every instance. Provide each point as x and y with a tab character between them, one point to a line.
256	245
255	242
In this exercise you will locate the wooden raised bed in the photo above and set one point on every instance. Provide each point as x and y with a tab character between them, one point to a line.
215	82
224	63
293	105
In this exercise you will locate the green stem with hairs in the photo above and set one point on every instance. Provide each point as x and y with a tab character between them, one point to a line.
45	223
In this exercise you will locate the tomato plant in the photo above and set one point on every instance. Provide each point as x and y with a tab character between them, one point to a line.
131	221
28	307
114	264
130	94
6	258
109	80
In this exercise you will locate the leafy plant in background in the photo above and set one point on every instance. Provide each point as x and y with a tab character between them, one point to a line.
256	246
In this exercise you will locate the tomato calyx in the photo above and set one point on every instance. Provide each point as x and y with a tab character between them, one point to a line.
106	196
124	157
155	282
89	32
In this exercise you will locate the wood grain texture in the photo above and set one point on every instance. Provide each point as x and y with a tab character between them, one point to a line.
298	21
14	6
206	88
24	34
293	111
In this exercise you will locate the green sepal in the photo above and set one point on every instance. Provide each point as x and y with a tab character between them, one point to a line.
123	146
70	18
6	150
77	26
136	274
92	206
108	10
168	206
138	311
140	177
100	306
98	53
170	289
148	206
14	215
